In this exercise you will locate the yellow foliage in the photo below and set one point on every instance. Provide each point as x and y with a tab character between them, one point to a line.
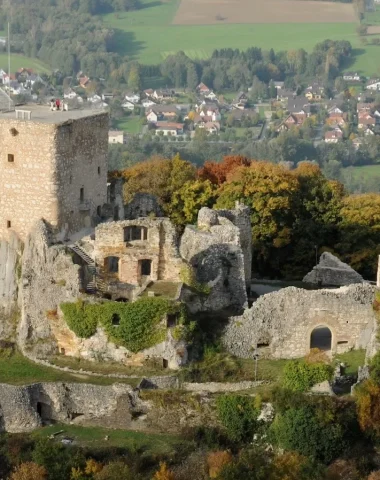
288	466
164	473
368	406
92	466
29	471
216	461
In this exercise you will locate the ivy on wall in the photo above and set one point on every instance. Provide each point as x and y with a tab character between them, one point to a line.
135	326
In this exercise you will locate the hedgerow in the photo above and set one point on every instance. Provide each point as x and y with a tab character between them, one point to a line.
135	326
299	375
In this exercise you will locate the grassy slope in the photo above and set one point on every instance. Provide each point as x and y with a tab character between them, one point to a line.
19	61
130	124
18	370
94	437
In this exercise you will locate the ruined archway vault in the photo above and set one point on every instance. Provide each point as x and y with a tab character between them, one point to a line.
285	319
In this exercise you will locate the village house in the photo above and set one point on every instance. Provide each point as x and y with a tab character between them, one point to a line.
128	105
314	92
373	84
364	107
279	85
69	94
169	128
148	92
299	105
163	94
148	103
84	82
240	101
161	112
203	89
210	96
293	120
94	98
334	136
351	77
334	110
116	136
107	97
366	120
240	115
337	119
132	97
284	94
212	127
368	132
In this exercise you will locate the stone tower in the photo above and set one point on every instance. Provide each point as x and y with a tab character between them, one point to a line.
53	167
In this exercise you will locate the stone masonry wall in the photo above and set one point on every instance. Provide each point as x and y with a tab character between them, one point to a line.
28	186
81	156
51	163
283	321
160	247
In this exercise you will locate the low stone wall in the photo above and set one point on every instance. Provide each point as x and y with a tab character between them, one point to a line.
218	387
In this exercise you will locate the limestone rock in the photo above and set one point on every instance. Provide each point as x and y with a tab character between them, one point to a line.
323	388
207	218
143	205
331	271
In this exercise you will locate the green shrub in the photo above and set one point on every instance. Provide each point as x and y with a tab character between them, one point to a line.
78	319
187	276
300	376
311	431
135	326
238	414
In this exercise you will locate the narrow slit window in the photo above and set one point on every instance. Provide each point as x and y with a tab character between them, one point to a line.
11	158
9	224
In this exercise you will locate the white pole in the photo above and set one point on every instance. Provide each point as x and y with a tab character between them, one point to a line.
9	65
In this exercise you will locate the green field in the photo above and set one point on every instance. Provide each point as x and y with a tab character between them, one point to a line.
148	36
373	18
19	61
365	173
130	124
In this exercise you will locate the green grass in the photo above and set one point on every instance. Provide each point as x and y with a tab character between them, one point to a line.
153	444
353	359
365	173
130	124
373	18
18	370
19	61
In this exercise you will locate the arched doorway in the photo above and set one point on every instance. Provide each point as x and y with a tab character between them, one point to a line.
321	338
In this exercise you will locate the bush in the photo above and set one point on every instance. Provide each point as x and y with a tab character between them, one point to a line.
311	432
238	414
300	376
135	326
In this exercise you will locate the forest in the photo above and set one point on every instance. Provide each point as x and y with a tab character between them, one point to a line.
294	213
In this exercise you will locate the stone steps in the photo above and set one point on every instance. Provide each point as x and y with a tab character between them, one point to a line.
84	256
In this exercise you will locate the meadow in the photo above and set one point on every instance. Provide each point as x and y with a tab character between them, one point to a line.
364	173
19	61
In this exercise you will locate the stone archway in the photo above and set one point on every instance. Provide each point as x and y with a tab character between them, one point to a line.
321	337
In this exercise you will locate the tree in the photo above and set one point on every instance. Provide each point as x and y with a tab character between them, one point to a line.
164	473
134	80
217	172
115	471
192	77
238	414
368	407
216	462
29	471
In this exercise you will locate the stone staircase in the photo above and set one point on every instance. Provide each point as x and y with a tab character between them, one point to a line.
96	284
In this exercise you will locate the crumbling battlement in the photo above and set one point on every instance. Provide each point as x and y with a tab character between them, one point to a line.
282	322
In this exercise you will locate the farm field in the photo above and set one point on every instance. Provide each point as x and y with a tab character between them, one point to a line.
153	33
19	61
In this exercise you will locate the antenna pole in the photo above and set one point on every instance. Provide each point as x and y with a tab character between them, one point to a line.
9	66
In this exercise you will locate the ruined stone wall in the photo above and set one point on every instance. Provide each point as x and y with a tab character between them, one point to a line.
81	155
283	321
240	217
160	247
28	185
214	251
24	408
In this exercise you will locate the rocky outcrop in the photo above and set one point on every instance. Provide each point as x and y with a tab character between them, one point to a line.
216	251
281	323
330	271
10	273
24	408
49	277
